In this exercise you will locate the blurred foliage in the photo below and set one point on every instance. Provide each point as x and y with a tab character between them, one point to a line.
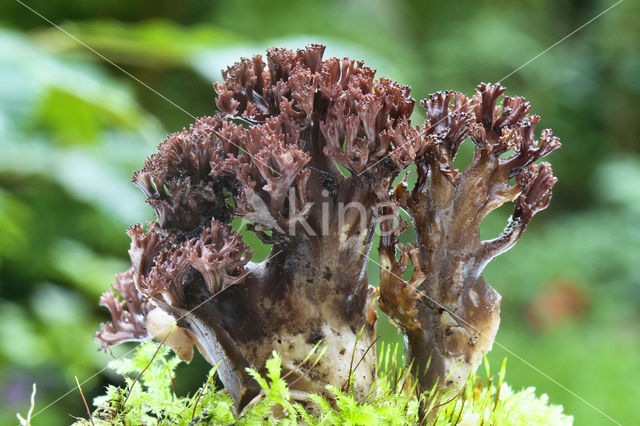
74	128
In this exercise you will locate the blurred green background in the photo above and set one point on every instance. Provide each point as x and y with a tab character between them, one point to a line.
73	128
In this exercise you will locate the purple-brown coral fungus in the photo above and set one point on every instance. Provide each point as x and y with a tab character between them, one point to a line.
305	151
448	313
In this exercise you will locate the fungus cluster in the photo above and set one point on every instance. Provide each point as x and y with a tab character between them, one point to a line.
304	153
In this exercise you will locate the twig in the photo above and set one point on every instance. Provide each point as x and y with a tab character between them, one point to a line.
345	386
200	392
308	369
361	358
365	353
453	398
84	400
304	361
460	413
173	384
147	366
27	421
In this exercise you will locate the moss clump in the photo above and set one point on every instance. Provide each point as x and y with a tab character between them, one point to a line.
148	398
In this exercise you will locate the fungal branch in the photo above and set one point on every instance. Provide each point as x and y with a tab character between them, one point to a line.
448	312
127	324
304	150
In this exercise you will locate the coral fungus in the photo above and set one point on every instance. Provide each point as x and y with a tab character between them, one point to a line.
305	151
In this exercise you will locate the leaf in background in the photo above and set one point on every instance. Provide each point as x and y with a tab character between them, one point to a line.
205	48
14	220
19	342
46	101
85	176
618	183
32	76
151	43
86	270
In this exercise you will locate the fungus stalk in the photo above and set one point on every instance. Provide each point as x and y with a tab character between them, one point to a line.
448	313
304	152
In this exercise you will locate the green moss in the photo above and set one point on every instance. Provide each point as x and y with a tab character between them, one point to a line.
148	398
